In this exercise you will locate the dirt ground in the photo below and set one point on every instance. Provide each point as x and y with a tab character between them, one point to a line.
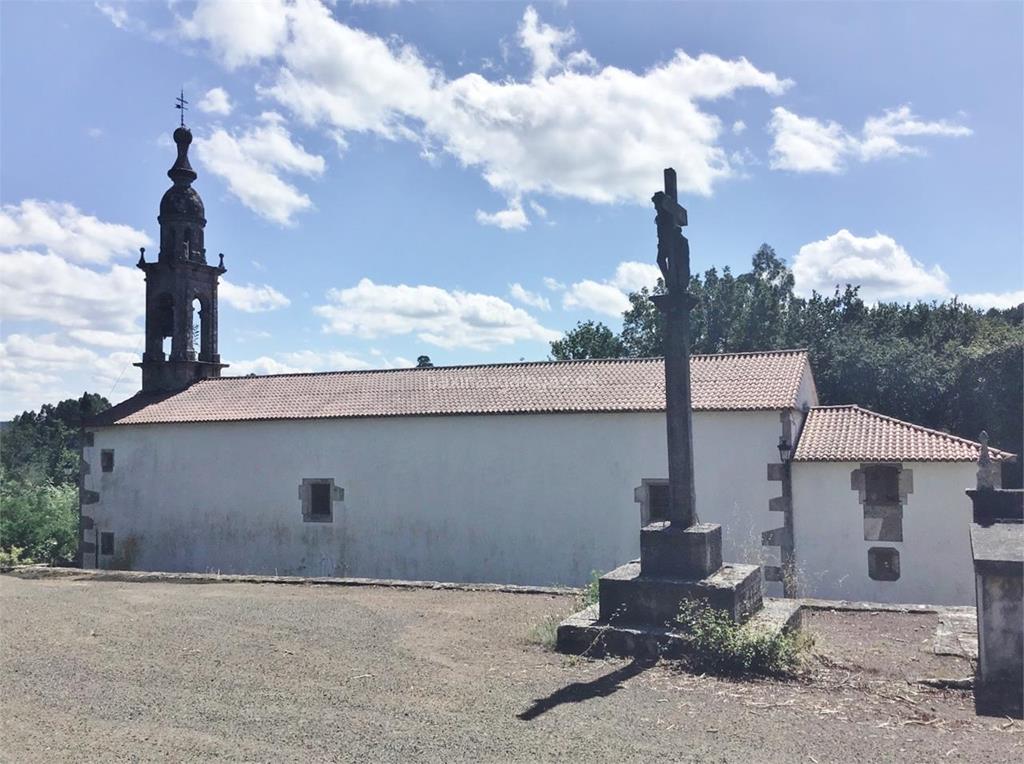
100	671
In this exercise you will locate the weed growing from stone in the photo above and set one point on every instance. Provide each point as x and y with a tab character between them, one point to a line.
545	633
717	645
589	595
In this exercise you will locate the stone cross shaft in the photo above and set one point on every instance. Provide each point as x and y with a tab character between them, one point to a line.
675	306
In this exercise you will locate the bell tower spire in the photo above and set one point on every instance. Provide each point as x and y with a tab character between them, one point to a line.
181	289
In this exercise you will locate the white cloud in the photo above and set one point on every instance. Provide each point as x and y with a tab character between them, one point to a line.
436	316
553	284
63	230
215	101
592	135
299	362
882	268
44	287
543	42
600	298
72	326
631	276
117	15
252	298
526	297
806	144
738	126
249	162
107	339
610	297
511	219
40	368
241	33
1001	300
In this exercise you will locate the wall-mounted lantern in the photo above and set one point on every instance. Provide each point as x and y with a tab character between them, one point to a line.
785	449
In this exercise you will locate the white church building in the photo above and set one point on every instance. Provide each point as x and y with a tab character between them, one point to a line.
526	473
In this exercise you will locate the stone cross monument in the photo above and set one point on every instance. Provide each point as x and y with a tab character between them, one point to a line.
681	558
675	306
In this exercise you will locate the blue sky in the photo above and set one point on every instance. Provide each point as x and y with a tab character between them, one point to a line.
468	180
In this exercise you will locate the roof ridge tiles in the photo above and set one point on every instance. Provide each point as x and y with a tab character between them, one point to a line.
507	364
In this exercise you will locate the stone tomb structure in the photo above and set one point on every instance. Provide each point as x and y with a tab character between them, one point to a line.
997	545
680	557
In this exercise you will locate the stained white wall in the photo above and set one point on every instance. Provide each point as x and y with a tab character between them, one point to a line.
935	555
529	499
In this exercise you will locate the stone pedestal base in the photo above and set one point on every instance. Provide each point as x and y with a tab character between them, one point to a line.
584	633
629	597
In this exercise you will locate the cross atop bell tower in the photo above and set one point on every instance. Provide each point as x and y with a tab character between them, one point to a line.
181	289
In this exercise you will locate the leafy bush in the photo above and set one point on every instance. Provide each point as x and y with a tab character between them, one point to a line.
13	556
39	521
720	646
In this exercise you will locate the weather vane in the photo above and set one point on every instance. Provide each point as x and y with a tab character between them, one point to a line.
181	106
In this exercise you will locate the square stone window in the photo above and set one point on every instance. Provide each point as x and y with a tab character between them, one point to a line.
883	563
652	496
107	460
318	496
882	484
883	523
106	543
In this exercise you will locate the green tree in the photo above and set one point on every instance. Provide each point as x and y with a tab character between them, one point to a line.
943	365
41	447
40	520
588	339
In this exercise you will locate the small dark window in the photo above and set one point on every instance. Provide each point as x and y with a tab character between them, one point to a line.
320	500
107	460
106	542
90	438
883	563
657	498
882	484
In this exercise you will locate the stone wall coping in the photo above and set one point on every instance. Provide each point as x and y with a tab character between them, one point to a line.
138	576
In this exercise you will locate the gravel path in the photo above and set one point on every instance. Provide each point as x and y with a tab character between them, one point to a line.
96	671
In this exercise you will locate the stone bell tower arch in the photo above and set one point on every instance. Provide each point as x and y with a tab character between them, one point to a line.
180	283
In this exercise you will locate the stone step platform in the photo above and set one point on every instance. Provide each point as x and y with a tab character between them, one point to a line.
627	596
584	633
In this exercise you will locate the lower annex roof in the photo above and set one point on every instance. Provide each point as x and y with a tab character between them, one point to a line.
855	434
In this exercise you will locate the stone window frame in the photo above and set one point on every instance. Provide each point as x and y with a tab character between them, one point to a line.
306	499
107	460
890	529
890	511
642	496
877	564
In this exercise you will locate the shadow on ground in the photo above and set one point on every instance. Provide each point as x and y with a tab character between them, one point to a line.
577	692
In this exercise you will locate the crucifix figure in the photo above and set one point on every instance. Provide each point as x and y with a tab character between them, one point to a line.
675	306
181	105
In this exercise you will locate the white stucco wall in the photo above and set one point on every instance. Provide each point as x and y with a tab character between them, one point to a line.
935	555
531	499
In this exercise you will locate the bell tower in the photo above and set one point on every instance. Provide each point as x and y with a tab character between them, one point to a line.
181	288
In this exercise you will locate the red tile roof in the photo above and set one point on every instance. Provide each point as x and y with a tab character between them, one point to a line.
728	382
853	434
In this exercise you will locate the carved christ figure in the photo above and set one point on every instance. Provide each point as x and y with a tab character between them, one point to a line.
673	248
